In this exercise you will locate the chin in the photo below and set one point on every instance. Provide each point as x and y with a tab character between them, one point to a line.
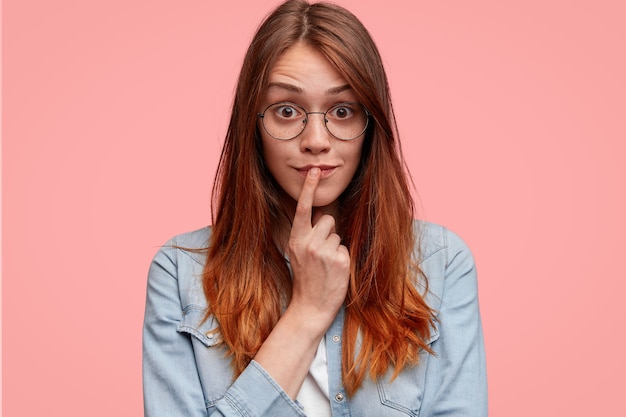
324	201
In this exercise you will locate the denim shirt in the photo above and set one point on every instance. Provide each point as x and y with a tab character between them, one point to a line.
185	372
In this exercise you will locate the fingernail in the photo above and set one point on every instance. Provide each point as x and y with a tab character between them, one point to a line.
314	172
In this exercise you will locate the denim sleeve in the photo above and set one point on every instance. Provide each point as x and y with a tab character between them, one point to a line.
460	362
171	382
256	394
171	385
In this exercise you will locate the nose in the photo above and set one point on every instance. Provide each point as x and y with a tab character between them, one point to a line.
315	138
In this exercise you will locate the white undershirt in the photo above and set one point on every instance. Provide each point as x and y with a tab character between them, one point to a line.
313	395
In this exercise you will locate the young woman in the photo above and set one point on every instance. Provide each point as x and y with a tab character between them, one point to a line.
314	293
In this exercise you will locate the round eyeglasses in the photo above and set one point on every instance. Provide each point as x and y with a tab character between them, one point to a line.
286	120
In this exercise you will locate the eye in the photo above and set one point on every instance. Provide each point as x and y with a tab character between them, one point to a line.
341	111
286	111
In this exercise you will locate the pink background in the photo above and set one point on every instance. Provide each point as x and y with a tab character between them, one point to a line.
512	116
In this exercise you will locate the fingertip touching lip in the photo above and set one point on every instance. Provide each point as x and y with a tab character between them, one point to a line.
325	170
322	167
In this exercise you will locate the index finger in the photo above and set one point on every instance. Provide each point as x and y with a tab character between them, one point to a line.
304	209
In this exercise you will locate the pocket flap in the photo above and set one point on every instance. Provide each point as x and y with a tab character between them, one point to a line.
194	324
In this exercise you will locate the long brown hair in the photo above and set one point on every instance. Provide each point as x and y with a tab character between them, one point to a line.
246	279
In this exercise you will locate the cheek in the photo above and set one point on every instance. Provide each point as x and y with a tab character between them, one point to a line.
275	157
269	153
353	154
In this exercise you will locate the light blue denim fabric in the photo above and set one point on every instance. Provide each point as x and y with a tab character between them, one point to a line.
185	374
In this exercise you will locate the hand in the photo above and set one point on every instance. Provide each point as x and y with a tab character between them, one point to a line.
320	263
321	272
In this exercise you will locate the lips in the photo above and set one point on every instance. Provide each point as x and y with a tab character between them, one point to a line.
325	170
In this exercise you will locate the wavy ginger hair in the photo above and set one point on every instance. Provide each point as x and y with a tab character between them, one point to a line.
246	280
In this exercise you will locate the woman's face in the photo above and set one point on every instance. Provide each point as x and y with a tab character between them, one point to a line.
303	76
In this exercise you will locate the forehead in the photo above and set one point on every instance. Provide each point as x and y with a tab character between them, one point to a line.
304	69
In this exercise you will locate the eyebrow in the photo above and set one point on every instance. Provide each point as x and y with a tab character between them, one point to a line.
295	89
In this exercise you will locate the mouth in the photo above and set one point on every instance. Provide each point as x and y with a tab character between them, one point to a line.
325	170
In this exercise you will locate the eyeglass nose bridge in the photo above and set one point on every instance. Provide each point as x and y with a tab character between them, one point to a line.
323	113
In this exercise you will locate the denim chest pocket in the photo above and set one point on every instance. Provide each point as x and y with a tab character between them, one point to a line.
194	323
404	395
211	357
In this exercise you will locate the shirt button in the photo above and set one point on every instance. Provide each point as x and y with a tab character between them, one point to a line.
339	397
210	335
336	338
